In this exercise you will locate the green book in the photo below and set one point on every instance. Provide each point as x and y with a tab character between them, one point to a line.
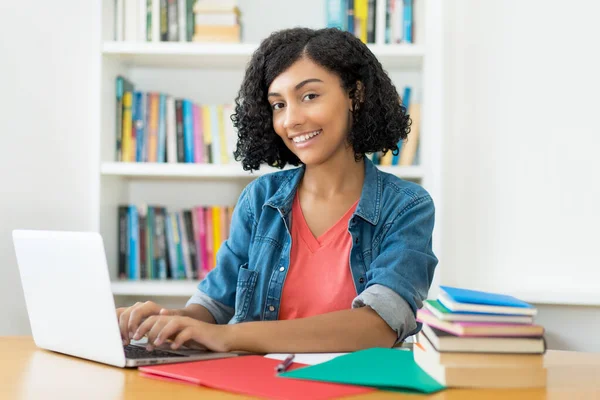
444	314
382	368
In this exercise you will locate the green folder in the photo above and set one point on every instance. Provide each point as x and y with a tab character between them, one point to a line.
386	369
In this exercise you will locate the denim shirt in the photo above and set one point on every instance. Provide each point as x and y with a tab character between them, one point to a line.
391	258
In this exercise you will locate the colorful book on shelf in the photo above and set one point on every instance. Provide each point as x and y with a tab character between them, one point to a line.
444	314
444	341
460	328
457	299
198	134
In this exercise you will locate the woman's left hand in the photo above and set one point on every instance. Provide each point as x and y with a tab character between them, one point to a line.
181	330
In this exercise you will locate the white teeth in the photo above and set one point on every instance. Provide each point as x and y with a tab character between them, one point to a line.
304	138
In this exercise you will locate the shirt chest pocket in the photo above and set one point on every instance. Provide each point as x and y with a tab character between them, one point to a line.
246	285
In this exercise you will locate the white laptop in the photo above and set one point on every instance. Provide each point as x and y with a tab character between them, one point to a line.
70	304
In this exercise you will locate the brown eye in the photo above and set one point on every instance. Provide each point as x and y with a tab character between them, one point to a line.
277	106
312	96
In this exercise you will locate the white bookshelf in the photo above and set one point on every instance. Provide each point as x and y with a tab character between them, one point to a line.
152	288
211	171
229	55
211	74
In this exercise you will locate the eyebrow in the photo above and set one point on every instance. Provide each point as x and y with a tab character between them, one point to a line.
298	86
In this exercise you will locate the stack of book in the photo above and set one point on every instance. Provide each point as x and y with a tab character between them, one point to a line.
217	21
478	339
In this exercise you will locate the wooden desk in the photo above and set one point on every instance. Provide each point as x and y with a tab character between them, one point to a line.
30	373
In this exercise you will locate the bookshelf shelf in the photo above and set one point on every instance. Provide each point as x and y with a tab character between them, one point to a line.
193	55
184	288
212	171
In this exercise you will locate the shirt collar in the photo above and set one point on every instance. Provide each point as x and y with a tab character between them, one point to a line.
368	206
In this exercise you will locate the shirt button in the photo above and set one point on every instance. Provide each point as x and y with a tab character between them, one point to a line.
281	269
271	308
361	280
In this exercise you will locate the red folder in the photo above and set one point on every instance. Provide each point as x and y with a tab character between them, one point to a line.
250	375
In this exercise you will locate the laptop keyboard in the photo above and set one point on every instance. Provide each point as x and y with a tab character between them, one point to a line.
135	352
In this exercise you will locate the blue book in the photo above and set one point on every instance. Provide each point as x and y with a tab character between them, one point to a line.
457	299
335	12
134	254
188	131
408	20
138	111
162	128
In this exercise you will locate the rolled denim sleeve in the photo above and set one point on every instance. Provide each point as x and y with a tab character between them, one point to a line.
217	290
398	279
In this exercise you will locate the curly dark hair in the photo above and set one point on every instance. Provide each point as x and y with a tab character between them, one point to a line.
379	121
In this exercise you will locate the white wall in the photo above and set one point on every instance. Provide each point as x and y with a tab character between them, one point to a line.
521	183
49	83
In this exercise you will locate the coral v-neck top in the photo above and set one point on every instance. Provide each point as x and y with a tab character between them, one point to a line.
319	279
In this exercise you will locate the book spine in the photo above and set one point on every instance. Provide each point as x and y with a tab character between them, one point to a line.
150	251
143	254
162	128
181	13
171	247
207	131
171	131
190	22
139	123
122	237
164	21
198	134
119	116
188	131
350	17
408	20
202	239
179	243
216	142
172	21
133	243
191	242
179	131
371	21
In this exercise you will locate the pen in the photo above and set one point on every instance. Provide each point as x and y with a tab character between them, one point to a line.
285	364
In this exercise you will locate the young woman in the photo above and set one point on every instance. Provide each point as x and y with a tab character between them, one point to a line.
332	256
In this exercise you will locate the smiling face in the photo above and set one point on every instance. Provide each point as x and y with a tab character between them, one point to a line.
311	112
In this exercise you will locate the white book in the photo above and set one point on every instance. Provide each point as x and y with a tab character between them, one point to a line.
142	20
131	20
182	14
156	20
171	131
119	20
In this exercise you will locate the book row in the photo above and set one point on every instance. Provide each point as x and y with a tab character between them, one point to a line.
176	21
359	18
408	149
156	243
157	127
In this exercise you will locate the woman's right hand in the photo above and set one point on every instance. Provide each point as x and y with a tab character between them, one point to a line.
131	317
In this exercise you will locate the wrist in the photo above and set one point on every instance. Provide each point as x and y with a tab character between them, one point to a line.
230	335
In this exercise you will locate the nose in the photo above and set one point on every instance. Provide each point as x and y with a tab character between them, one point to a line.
293	116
